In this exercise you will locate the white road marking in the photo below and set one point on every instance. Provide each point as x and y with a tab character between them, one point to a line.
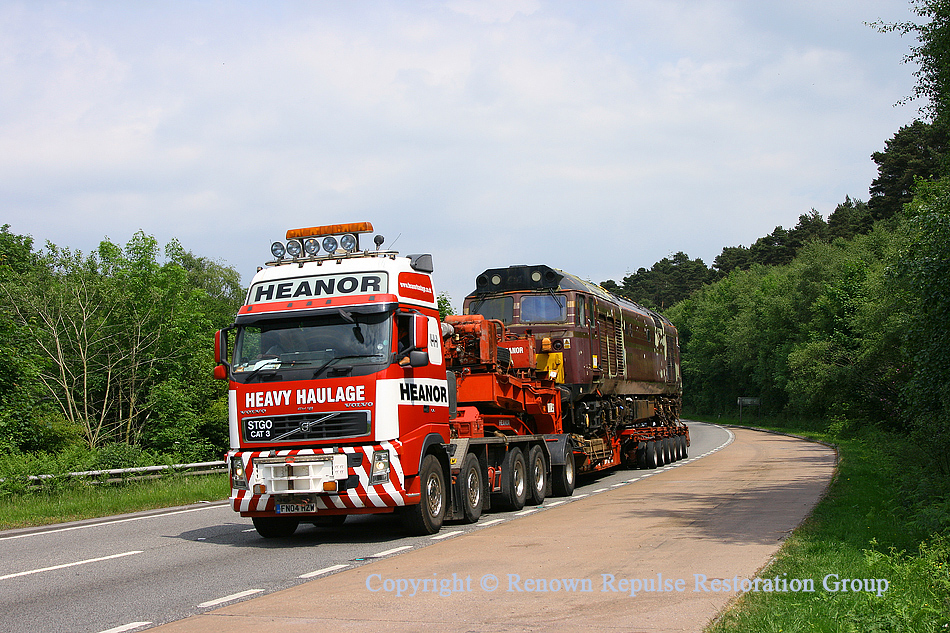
126	627
554	503
79	562
446	535
233	596
492	522
524	512
325	570
392	551
90	525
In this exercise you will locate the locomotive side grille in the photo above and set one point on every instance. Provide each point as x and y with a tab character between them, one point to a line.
621	355
604	346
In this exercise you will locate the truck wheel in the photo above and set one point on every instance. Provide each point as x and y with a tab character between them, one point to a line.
660	453
275	527
678	443
685	446
562	477
471	489
537	476
426	516
650	458
514	480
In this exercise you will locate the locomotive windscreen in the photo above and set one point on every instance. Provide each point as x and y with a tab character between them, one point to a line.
500	308
549	308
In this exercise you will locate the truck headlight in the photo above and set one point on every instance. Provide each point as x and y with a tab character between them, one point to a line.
238	476
379	473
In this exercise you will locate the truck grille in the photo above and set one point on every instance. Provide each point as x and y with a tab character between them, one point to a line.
308	426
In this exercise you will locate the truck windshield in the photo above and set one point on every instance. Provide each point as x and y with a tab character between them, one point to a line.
332	345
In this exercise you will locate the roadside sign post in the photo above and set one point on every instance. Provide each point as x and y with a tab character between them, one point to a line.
747	402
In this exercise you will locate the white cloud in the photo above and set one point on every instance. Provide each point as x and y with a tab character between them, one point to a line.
596	137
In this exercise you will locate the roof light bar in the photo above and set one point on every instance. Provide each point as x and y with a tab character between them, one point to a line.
330	229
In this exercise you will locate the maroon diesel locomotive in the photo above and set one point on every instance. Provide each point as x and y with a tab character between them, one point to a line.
616	363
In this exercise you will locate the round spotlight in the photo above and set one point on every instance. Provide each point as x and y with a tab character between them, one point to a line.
311	246
481	281
329	244
496	280
536	276
277	249
348	242
293	248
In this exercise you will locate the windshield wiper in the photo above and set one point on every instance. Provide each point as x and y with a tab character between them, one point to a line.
269	364
336	358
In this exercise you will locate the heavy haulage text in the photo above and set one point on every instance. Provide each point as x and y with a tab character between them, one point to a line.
609	583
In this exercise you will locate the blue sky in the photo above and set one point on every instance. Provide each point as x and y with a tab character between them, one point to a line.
593	136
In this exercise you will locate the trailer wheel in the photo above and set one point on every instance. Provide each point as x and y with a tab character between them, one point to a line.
514	480
471	489
537	476
275	527
660	453
669	455
641	454
678	443
685	446
562	477
426	516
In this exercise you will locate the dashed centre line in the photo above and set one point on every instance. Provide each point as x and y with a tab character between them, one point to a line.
65	565
325	570
233	596
131	626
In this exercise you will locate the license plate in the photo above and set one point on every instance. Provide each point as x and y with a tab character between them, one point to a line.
293	508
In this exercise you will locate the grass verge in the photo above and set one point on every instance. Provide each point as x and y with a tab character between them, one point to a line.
58	503
865	528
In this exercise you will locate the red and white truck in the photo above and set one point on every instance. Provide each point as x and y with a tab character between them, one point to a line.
348	394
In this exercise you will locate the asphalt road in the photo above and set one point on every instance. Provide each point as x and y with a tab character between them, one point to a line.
133	572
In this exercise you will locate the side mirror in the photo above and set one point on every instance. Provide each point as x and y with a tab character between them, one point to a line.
420	332
418	358
220	355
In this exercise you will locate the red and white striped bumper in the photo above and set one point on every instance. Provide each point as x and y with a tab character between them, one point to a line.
362	497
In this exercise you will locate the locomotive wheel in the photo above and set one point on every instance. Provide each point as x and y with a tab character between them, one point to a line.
426	516
562	477
514	480
537	476
275	527
471	489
